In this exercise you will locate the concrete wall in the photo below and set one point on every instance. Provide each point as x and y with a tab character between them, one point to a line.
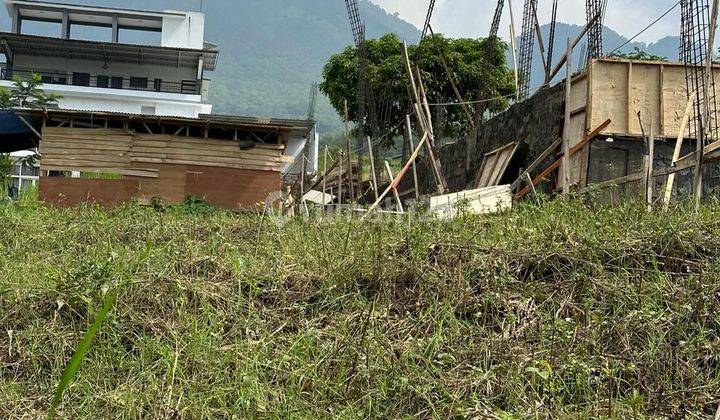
188	32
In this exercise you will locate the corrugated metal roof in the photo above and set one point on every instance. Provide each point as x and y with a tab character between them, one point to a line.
204	120
107	51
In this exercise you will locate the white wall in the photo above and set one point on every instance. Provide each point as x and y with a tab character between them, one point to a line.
126	101
188	32
63	65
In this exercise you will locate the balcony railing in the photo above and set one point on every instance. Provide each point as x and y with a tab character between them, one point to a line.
186	87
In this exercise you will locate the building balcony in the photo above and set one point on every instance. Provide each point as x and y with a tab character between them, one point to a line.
184	87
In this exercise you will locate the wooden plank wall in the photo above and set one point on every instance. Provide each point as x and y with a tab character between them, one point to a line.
168	167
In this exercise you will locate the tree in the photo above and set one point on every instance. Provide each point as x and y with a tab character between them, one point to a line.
638	54
26	94
480	70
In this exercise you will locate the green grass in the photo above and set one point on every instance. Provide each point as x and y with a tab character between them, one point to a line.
554	310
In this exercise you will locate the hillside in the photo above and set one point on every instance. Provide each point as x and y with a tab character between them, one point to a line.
550	311
271	50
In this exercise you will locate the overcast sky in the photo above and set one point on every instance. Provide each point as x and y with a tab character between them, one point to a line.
471	18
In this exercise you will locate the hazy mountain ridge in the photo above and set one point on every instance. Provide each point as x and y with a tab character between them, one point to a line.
271	50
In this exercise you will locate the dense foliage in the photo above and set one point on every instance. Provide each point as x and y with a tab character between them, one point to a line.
550	311
480	71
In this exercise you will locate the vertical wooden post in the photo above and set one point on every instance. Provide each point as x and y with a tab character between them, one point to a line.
325	175
649	162
566	129
302	184
340	181
408	129
372	168
348	148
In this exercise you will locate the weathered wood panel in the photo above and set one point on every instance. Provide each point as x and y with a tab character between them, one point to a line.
169	185
70	192
231	188
656	89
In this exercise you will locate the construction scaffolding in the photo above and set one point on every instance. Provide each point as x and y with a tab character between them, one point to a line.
595	27
527	42
693	52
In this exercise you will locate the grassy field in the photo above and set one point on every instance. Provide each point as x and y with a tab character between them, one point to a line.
554	310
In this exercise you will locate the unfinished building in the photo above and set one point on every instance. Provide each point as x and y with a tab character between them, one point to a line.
615	105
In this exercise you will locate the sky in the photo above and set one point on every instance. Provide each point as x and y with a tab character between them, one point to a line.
472	18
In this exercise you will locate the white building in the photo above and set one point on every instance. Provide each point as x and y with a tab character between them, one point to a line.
111	75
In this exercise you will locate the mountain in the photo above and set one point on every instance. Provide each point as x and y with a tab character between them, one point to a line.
270	50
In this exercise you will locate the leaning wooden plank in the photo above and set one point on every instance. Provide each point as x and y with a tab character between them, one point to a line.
400	174
638	176
540	159
573	150
494	166
676	153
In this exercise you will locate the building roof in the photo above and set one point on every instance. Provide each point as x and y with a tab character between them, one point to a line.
11	44
301	127
90	15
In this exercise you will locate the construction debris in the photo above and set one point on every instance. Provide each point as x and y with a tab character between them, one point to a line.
480	201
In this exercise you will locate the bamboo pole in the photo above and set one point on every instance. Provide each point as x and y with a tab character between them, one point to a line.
399	176
566	129
348	148
649	161
395	191
372	167
514	50
325	176
408	129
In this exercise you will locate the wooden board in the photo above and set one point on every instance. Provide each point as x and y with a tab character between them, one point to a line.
231	188
70	192
494	166
169	185
480	201
620	88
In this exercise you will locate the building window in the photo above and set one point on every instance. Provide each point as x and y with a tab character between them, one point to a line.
116	82
23	177
157	85
103	81
81	79
138	83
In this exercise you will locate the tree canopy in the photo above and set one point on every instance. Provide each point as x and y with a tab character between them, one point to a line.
479	67
26	93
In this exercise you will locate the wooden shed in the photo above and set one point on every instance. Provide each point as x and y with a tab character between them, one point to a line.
110	159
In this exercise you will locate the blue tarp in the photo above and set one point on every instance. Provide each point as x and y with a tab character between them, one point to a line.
14	134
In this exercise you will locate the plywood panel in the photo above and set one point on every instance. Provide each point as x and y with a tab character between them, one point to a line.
231	188
70	192
645	97
494	166
609	97
169	184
